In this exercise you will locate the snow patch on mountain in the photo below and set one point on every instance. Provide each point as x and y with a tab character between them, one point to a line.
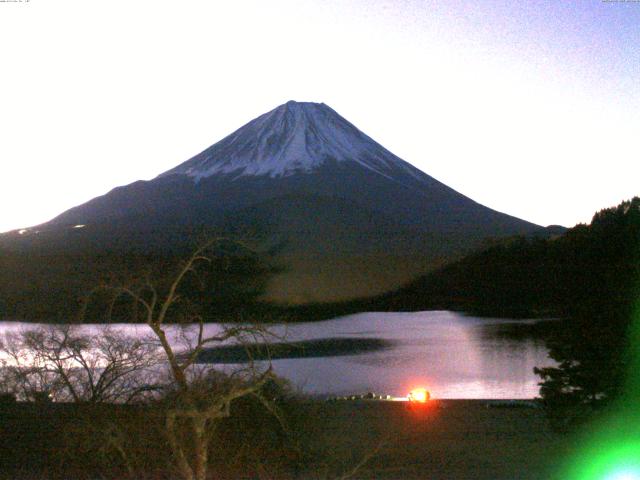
296	137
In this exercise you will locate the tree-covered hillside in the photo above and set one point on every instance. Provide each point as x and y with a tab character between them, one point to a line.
587	268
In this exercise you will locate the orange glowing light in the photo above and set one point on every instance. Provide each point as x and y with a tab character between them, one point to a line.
420	395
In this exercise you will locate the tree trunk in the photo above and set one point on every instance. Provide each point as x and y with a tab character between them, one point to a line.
184	469
201	447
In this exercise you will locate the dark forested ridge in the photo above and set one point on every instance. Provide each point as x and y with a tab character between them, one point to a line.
586	268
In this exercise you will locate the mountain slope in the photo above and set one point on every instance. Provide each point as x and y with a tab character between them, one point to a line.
350	218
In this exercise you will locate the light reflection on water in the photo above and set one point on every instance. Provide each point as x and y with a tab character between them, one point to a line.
453	355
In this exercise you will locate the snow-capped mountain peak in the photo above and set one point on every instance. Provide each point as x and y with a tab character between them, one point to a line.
343	216
296	137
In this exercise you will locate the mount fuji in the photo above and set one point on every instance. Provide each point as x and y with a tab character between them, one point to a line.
291	139
351	218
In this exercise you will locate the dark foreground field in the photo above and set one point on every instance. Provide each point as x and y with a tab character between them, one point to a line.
451	439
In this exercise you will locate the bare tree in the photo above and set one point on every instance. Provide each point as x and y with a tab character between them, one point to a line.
198	397
111	367
64	364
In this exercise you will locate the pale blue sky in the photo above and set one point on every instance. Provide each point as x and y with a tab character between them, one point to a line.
531	108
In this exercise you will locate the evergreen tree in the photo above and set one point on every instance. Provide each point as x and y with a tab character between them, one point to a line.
599	280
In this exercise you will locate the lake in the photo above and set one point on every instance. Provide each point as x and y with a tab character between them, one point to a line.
451	354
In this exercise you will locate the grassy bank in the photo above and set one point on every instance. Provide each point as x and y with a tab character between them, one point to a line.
449	440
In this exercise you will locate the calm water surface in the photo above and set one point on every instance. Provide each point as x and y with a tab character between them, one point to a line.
453	355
